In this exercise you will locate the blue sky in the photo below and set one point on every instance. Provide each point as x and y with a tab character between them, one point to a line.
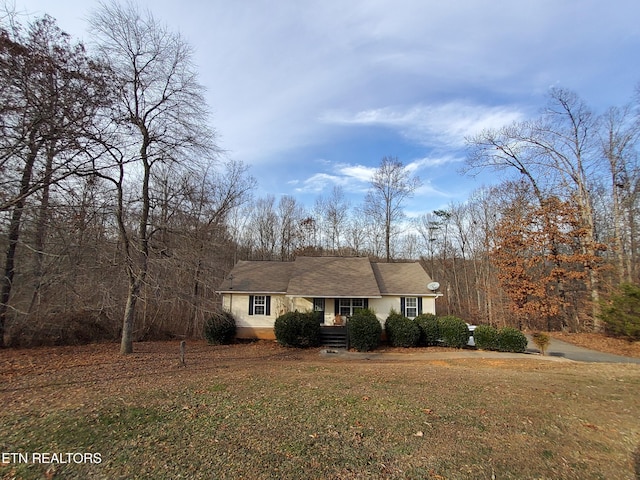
313	94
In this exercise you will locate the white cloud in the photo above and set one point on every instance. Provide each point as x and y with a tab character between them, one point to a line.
358	173
445	124
355	178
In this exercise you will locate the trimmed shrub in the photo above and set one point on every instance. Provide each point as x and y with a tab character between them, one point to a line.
621	314
429	329
511	340
454	331
296	329
485	337
220	329
364	330
401	331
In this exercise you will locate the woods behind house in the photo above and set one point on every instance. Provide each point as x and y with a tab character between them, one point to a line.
119	214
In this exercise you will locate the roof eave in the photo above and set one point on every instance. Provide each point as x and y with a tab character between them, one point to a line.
313	295
251	292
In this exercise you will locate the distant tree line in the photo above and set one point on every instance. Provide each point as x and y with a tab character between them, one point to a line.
118	210
542	249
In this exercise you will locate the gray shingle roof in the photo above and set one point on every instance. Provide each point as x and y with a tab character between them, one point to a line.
401	278
355	277
333	277
258	277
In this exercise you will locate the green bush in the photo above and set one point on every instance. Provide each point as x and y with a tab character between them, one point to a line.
485	337
621	314
220	329
454	331
401	331
296	329
429	329
511	339
364	330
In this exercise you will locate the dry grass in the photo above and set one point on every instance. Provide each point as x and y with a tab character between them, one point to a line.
259	411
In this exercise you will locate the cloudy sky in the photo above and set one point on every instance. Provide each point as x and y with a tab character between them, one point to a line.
313	94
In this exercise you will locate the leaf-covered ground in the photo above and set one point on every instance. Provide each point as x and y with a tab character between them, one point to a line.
260	411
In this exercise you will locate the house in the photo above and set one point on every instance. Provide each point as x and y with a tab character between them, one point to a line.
258	292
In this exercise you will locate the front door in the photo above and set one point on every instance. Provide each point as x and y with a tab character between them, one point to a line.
318	308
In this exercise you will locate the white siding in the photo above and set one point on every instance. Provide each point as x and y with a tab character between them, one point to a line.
238	305
382	306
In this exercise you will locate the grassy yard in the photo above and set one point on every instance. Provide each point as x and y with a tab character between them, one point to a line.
260	411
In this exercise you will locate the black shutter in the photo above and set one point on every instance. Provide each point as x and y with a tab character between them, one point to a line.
250	304
336	304
419	305
267	307
402	302
366	303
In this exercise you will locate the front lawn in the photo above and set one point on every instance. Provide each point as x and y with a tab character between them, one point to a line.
260	411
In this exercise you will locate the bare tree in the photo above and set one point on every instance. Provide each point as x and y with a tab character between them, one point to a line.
161	118
391	185
50	93
619	135
334	209
558	150
290	216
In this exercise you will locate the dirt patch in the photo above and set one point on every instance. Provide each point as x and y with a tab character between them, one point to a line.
601	343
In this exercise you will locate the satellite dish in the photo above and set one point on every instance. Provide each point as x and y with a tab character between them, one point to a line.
433	286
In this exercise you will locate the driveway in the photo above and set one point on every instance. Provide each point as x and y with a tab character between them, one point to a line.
558	348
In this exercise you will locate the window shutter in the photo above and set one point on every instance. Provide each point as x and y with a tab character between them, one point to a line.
366	303
267	308
250	304
336	308
402	308
419	305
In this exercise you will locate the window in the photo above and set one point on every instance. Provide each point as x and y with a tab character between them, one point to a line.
318	308
411	307
318	304
347	306
259	305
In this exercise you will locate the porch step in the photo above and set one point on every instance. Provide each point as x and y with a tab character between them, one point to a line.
334	337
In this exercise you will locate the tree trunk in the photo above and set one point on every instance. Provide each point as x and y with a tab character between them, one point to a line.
14	236
126	342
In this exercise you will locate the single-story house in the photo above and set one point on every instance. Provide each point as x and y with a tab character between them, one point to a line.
258	292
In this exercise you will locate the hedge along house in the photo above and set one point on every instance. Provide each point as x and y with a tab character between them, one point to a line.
258	292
